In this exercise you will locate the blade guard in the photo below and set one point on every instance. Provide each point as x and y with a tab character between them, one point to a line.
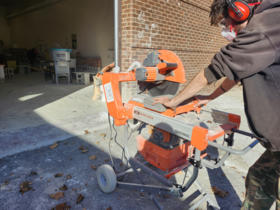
168	57
111	81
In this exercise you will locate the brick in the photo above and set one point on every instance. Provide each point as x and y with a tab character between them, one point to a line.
182	26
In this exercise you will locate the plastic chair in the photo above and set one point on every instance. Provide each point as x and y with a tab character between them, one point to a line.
62	70
6	73
80	79
10	72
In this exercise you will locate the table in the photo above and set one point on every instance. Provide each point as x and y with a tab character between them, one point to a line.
83	77
24	69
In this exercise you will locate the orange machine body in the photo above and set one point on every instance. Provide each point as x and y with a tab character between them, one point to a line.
164	159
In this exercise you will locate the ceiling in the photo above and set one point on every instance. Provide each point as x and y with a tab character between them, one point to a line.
18	5
8	3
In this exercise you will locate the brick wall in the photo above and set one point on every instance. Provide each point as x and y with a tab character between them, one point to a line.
182	26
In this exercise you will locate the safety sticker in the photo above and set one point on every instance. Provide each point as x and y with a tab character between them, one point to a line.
109	92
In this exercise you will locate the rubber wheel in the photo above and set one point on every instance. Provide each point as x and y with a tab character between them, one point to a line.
106	178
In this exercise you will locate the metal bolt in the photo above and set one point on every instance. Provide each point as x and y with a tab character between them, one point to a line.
126	117
172	191
142	190
127	110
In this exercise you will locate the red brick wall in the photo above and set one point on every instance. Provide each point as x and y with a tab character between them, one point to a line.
182	26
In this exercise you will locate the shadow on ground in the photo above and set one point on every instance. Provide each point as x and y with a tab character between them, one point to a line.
68	159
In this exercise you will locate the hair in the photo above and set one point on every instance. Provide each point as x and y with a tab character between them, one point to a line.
219	9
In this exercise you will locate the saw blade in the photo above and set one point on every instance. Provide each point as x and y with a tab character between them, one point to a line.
163	88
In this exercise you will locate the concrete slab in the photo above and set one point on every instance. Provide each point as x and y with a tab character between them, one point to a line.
35	112
68	159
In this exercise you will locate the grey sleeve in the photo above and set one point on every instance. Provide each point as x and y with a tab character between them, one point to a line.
250	53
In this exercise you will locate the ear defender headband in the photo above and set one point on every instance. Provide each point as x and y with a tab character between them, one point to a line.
240	11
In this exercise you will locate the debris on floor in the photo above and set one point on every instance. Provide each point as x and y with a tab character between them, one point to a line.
61	206
80	198
57	196
24	187
58	175
94	167
64	188
54	146
85	151
220	193
93	157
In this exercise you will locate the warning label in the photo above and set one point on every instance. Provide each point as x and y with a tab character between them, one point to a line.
109	92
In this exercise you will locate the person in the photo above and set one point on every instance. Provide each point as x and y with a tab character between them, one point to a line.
31	55
253	58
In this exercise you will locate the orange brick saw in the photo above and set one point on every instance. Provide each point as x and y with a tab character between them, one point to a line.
170	140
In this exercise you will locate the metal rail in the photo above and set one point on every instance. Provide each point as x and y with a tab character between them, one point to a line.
117	34
233	151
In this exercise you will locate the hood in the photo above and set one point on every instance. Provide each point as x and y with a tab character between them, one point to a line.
267	4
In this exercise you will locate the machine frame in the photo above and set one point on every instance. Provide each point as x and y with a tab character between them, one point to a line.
165	65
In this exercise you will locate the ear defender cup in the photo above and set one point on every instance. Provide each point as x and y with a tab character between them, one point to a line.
243	7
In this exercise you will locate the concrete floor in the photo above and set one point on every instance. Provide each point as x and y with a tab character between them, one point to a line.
68	159
35	113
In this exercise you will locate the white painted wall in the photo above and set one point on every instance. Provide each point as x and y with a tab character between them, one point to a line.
4	28
91	20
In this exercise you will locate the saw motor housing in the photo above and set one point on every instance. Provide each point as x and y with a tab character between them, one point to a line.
162	149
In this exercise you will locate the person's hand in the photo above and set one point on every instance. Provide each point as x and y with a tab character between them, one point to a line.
164	101
202	100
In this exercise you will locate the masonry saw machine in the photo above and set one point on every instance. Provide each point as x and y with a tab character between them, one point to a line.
170	140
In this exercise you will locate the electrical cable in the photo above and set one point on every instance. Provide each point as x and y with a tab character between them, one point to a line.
115	139
110	142
123	153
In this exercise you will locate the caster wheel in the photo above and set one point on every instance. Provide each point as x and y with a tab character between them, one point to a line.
106	178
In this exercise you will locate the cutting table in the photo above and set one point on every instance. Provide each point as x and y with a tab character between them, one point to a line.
171	140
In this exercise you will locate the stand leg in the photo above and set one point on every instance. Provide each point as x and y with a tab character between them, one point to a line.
206	196
143	182
134	168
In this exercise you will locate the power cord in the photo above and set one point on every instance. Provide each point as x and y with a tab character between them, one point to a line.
123	151
109	120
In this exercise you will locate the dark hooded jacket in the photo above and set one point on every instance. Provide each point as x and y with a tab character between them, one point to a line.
254	58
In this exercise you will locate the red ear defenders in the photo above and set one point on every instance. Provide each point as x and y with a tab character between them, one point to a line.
240	11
